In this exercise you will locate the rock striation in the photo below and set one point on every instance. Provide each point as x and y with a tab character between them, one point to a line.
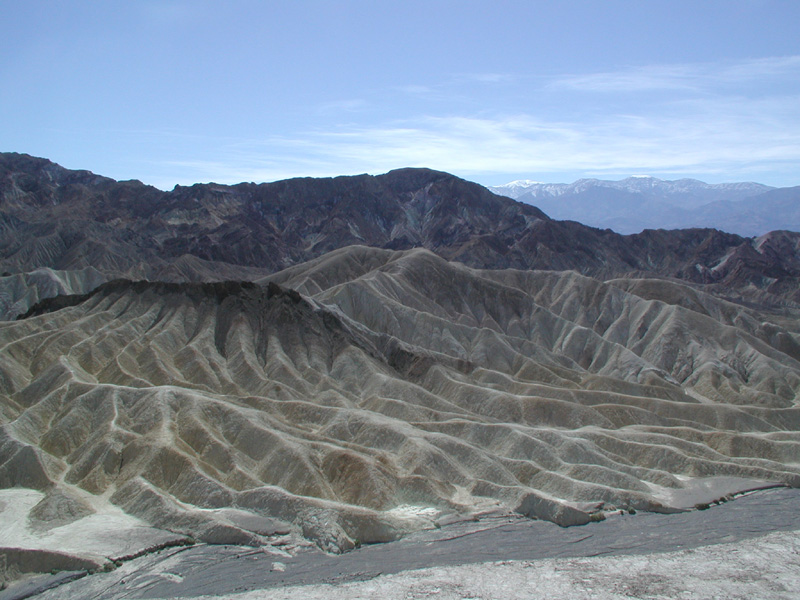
331	396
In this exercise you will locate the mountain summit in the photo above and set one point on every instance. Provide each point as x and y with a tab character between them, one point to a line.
68	221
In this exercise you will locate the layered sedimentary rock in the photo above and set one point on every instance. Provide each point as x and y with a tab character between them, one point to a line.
221	362
361	395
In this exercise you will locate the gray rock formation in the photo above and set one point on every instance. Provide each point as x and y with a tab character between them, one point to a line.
222	364
395	380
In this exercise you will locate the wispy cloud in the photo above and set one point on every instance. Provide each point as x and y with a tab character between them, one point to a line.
635	79
759	68
728	139
416	90
457	84
343	106
687	77
708	120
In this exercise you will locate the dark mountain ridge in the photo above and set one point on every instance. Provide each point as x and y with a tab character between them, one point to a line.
60	219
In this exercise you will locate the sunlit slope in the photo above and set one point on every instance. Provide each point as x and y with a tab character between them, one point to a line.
640	331
21	291
394	378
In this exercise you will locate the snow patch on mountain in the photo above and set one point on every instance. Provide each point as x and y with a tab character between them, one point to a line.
644	202
633	184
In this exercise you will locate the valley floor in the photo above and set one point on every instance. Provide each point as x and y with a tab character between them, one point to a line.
765	568
747	548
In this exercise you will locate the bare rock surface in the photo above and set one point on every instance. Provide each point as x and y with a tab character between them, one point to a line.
64	220
222	364
746	547
366	395
68	531
21	291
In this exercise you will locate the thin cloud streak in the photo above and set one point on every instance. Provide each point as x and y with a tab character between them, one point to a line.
344	106
639	79
686	77
720	130
761	68
713	137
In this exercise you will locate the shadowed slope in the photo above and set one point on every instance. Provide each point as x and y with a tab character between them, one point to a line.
72	220
19	292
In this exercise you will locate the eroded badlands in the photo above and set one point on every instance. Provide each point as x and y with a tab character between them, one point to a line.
370	393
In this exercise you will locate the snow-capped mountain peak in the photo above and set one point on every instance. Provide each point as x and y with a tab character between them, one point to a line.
514	187
635	184
646	202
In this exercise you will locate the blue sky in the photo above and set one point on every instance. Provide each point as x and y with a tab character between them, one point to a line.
188	91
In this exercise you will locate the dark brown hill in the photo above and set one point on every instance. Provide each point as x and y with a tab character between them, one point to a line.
68	220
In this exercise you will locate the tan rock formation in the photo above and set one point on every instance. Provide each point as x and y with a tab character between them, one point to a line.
235	412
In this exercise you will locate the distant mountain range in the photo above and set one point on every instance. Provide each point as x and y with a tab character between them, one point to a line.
638	203
77	224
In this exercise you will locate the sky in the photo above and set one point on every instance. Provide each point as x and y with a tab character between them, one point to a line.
177	92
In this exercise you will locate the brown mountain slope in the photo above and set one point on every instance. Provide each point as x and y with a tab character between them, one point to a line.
394	388
69	220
